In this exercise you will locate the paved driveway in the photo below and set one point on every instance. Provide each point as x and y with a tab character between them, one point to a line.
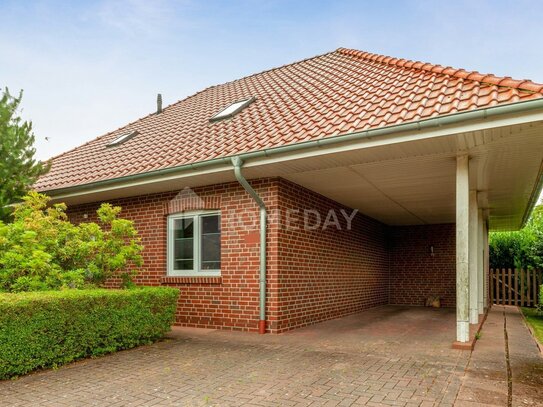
386	356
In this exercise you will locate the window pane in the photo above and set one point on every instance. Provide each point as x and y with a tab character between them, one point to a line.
184	228
211	247
211	265
183	244
184	264
211	243
184	248
211	224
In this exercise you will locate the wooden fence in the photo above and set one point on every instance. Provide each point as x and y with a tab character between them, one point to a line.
515	287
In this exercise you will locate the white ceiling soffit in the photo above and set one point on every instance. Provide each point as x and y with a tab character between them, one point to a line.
414	182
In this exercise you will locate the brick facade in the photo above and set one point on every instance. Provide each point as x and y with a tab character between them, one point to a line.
415	273
229	301
324	272
313	275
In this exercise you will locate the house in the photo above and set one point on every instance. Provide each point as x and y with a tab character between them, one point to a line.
320	188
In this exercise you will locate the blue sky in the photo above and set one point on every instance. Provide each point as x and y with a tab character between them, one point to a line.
90	67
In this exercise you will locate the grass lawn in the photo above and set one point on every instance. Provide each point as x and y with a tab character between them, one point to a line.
535	321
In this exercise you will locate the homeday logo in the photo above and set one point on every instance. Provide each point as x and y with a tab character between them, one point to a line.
289	219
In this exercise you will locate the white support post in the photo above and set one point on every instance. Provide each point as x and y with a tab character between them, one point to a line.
473	279
480	263
486	271
462	248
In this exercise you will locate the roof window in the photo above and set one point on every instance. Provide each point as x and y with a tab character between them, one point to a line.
122	138
232	109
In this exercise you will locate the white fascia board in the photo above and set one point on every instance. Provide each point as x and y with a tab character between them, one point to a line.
142	182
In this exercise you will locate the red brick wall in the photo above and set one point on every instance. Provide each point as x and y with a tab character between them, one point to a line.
326	274
313	275
230	301
414	273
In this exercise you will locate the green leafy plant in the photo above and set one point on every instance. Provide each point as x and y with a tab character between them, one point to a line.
48	329
521	249
18	168
42	250
535	321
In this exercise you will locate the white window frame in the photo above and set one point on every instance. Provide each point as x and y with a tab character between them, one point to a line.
122	138
232	109
196	271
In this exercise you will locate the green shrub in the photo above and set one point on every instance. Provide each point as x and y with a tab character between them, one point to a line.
41	250
521	249
511	249
47	329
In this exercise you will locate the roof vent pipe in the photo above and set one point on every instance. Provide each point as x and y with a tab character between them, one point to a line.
158	103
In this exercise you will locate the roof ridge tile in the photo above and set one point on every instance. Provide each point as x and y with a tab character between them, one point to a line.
524	84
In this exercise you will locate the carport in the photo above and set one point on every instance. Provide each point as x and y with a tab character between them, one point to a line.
440	184
472	173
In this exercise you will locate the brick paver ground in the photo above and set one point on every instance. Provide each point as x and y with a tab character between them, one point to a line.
389	356
486	382
395	356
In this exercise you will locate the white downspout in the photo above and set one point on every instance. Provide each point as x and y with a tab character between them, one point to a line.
237	162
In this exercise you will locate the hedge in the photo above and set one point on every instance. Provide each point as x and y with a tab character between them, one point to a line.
48	329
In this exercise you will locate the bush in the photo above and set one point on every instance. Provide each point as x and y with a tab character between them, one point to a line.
522	249
508	250
47	329
42	250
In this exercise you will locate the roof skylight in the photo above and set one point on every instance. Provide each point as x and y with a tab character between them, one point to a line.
122	138
232	109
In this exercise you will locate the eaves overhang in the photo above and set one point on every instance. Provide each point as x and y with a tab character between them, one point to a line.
519	112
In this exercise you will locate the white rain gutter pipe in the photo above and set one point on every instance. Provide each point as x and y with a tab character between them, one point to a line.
238	162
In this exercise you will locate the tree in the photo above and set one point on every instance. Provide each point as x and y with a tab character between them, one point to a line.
18	168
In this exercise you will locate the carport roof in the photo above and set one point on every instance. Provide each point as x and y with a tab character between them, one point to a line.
336	93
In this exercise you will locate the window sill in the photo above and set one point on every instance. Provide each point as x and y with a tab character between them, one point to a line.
190	280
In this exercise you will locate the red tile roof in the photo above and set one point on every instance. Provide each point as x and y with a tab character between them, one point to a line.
335	93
